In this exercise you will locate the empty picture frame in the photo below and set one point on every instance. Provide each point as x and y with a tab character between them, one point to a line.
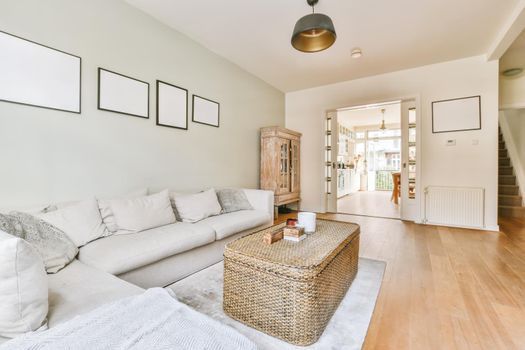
458	114
122	94
205	111
36	75
172	106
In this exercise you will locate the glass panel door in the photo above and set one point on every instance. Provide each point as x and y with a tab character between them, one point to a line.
284	171
409	195
294	166
384	158
330	168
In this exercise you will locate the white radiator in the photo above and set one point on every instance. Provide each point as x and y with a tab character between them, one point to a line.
455	206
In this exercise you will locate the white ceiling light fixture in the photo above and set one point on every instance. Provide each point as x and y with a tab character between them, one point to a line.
356	53
512	72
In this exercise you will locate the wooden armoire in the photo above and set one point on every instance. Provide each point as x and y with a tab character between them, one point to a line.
280	164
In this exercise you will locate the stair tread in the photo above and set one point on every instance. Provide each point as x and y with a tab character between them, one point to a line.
511	207
509	195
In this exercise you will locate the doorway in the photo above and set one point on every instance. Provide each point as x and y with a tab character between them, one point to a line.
373	148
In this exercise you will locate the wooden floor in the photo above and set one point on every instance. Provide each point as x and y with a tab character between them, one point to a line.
372	203
445	288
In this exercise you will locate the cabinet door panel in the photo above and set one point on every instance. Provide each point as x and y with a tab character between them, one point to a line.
295	166
284	166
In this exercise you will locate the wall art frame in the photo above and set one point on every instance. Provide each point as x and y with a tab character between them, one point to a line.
38	75
172	105
456	114
205	111
122	94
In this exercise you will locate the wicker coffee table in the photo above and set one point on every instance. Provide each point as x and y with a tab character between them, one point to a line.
290	290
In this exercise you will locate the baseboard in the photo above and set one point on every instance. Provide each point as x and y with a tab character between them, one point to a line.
484	228
492	228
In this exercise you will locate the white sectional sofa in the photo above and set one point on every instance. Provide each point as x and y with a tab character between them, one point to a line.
118	266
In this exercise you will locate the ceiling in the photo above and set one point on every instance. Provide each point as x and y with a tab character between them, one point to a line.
393	35
369	116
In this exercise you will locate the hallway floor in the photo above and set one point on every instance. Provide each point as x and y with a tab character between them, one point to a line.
373	203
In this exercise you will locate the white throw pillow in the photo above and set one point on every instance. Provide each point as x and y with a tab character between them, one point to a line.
198	206
142	213
81	221
104	205
23	287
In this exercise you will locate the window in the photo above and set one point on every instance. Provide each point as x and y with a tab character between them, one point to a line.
377	134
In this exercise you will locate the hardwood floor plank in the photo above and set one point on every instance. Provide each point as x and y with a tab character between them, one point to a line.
445	288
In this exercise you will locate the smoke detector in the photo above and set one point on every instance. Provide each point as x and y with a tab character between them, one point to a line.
356	53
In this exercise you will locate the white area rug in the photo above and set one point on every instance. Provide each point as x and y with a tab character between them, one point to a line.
346	330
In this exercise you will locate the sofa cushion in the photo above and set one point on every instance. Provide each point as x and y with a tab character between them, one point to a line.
138	214
104	205
233	199
23	287
81	221
122	253
54	246
79	288
228	224
197	206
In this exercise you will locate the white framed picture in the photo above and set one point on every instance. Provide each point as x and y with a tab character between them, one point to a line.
205	111
36	75
122	94
172	106
457	114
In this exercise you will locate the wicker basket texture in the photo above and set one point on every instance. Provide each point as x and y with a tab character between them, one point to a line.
290	290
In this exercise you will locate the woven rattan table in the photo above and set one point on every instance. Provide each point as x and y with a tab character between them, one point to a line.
290	290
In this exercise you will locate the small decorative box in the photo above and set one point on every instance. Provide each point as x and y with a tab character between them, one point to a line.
272	237
294	239
293	231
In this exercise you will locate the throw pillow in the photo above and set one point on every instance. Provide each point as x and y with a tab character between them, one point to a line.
172	200
142	213
198	206
233	199
55	248
23	290
81	221
104	205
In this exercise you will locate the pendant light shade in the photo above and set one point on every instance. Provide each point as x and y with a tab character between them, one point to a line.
314	32
382	127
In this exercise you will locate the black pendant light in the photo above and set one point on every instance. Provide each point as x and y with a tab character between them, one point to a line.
314	32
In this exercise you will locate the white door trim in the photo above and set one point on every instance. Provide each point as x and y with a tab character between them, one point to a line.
419	162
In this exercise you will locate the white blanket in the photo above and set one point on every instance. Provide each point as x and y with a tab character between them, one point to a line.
153	320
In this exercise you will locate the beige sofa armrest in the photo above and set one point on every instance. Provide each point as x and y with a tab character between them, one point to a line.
261	200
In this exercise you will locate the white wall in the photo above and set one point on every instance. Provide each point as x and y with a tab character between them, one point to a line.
462	165
54	156
512	89
516	121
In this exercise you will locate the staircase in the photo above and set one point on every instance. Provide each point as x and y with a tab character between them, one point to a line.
509	198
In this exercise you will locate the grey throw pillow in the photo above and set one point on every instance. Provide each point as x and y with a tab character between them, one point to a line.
232	199
54	246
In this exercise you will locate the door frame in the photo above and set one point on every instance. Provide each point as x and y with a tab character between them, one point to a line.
326	206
